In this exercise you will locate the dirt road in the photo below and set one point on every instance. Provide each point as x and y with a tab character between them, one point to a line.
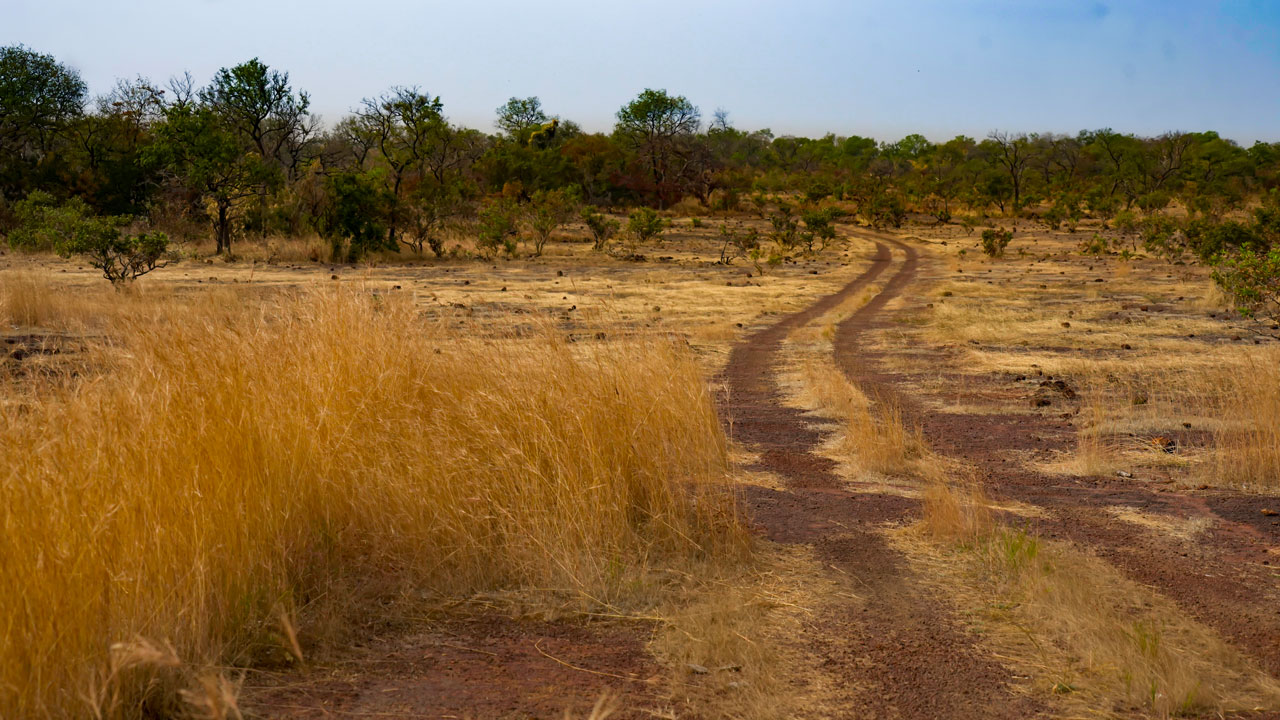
902	649
898	651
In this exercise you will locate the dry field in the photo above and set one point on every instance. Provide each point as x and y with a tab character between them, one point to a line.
898	480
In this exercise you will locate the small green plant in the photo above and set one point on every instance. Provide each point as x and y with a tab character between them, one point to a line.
695	222
994	241
1096	245
645	224
601	226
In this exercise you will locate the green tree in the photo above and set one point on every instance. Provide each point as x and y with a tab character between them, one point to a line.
497	227
262	109
199	150
519	117
658	127
411	139
38	98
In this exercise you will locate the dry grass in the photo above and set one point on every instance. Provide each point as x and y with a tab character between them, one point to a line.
873	435
242	471
1248	443
742	628
28	299
1091	636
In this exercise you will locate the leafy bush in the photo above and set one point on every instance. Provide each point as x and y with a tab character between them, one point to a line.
1252	278
645	224
1162	235
357	219
1207	239
602	227
548	210
71	228
1097	245
819	228
497	229
786	226
121	258
994	241
886	210
42	223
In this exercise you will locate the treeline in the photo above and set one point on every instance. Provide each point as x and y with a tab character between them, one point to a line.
243	156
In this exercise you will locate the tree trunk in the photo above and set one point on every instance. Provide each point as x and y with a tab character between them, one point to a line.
223	230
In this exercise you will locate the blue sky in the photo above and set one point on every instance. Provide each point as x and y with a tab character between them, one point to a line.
879	67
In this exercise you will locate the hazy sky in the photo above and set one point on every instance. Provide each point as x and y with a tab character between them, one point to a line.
882	68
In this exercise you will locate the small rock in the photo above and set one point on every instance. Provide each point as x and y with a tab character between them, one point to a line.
1124	474
698	669
1269	512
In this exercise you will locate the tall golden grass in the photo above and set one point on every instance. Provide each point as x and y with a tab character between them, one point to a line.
242	471
1248	442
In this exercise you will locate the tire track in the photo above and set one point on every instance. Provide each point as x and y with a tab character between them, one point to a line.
1223	581
898	653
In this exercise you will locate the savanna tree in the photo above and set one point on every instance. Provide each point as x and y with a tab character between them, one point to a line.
659	128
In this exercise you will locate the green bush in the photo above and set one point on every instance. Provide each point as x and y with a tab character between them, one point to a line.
1252	278
42	223
602	227
497	230
548	210
121	258
994	241
645	224
357	221
1096	245
819	228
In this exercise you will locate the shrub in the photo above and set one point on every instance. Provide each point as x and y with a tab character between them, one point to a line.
886	209
601	226
819	228
645	224
548	210
786	226
71	229
356	224
1161	235
1096	245
122	258
1207	238
1252	278
41	223
737	242
497	229
994	241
